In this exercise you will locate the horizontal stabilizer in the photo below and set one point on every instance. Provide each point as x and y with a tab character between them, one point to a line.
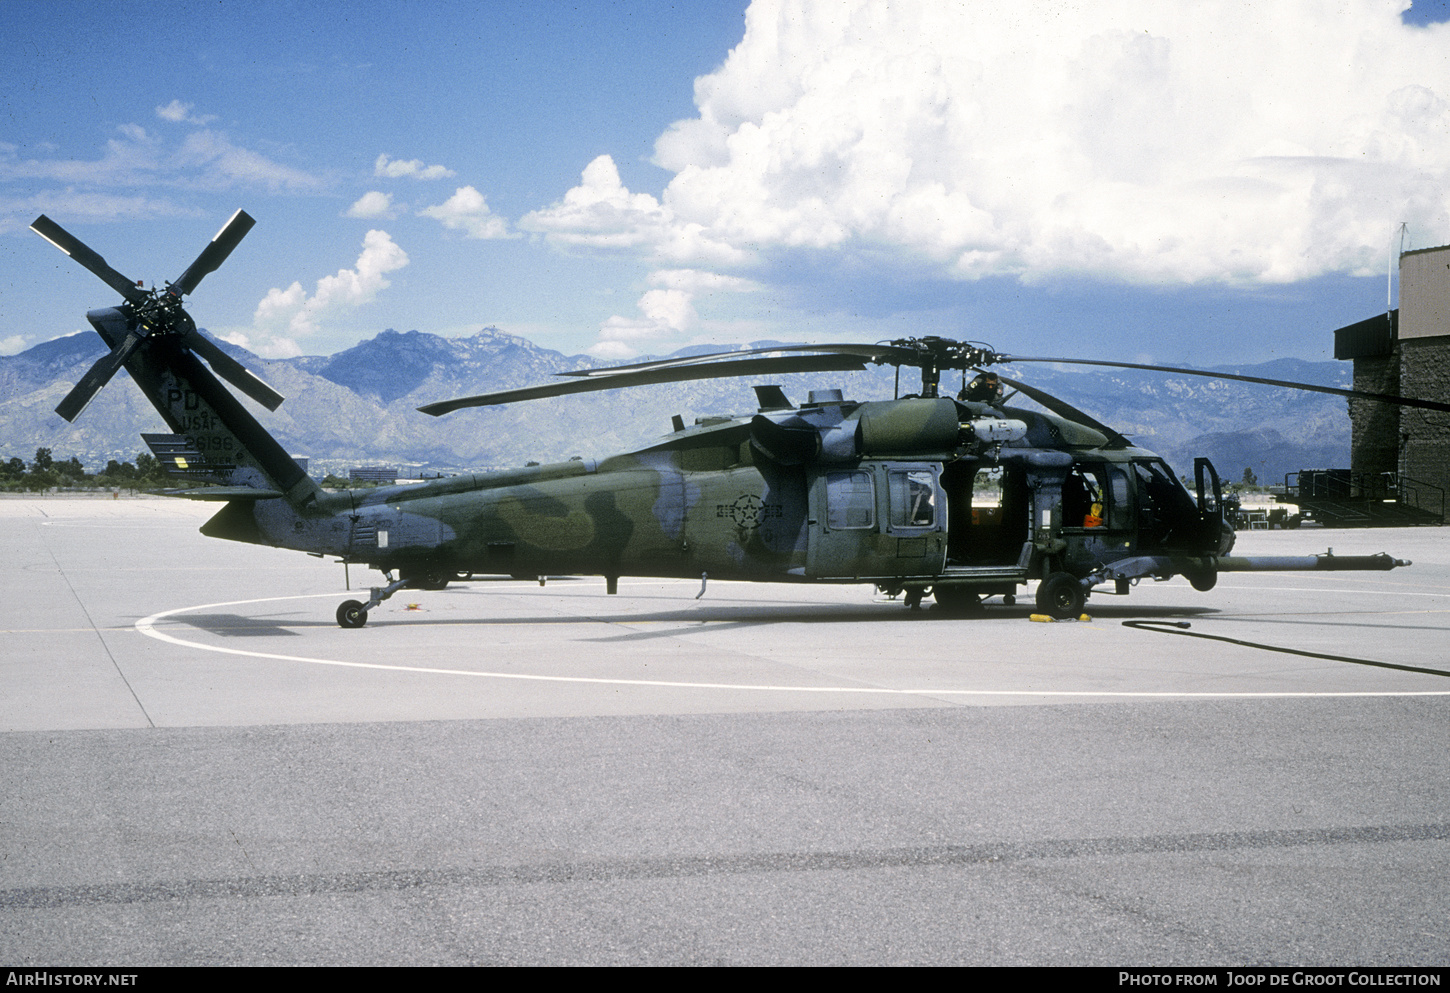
228	493
180	456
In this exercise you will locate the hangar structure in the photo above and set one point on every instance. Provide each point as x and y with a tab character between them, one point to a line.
1402	454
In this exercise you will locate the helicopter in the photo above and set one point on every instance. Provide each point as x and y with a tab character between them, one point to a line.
960	498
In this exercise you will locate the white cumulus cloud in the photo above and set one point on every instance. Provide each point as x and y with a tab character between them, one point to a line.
1125	140
283	316
602	214
180	113
666	311
372	204
467	211
412	169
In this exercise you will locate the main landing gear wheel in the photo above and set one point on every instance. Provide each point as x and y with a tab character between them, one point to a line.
352	614
1060	595
956	601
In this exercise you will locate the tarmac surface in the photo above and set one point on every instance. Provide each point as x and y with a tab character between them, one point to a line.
198	766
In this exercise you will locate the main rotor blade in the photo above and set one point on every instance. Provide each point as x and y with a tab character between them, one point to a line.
97	376
231	370
1287	384
1067	410
88	257
647	377
872	353
214	254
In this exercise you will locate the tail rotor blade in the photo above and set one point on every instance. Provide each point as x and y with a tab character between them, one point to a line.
78	250
214	254
231	370
97	376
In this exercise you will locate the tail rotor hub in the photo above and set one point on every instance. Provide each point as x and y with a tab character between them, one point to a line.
156	312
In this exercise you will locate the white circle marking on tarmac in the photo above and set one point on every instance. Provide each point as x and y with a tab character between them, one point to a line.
147	626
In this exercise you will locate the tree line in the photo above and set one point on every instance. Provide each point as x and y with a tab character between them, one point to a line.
46	472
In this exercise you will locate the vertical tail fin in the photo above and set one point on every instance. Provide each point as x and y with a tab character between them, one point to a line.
214	438
153	337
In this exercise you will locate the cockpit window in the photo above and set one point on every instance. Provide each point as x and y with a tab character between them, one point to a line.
1161	486
1119	500
1084	500
1163	503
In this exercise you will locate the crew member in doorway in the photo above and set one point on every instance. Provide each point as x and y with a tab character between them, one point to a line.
1082	500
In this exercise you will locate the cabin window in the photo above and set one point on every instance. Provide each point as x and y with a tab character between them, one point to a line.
913	498
987	495
850	501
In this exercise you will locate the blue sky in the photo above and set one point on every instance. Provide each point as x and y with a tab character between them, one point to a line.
1215	182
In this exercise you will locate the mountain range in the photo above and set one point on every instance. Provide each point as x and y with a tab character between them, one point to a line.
356	407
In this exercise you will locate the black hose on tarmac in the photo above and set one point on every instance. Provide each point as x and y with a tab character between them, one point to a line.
1181	628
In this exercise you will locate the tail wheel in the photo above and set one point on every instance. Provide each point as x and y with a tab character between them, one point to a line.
352	614
1060	595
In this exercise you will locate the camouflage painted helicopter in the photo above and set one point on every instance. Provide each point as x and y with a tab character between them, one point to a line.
959	498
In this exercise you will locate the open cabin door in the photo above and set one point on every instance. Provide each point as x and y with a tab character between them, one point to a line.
876	520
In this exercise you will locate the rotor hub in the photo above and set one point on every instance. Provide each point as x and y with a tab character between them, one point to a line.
932	354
